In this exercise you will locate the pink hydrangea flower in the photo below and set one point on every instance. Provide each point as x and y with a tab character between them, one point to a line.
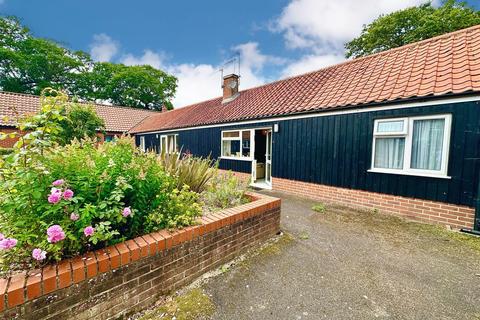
74	216
39	254
55	233
68	194
58	182
8	243
88	231
126	212
55	195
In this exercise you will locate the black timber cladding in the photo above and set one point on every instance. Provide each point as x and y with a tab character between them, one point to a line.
336	150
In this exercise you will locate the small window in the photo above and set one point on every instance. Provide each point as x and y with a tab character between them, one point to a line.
169	143
110	138
391	126
142	143
237	144
414	146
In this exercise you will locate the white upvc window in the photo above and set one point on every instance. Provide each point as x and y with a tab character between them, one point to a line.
142	143
169	143
237	144
412	146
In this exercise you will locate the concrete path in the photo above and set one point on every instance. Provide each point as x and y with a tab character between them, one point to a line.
345	264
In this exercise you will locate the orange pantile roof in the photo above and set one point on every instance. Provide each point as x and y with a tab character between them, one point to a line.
447	64
117	119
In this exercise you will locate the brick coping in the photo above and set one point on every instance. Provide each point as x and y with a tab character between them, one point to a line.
29	285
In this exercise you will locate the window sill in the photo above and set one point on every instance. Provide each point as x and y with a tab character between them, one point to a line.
235	158
408	173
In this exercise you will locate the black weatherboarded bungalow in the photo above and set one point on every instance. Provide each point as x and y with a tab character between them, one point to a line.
398	131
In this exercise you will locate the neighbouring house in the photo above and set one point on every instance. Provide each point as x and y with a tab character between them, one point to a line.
118	120
397	131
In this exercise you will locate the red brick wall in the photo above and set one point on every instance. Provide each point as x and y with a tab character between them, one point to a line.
128	277
9	142
410	208
426	211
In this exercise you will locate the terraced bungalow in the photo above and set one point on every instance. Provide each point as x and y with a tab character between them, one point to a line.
118	120
397	131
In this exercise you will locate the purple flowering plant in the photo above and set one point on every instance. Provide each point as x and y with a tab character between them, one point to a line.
59	201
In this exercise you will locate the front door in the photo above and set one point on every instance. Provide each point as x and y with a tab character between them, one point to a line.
268	159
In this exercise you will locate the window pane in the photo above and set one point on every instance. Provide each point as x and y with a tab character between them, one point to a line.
246	143
390	126
232	134
427	144
231	148
164	144
389	153
171	143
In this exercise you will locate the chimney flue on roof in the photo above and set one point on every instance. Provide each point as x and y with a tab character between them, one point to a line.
230	87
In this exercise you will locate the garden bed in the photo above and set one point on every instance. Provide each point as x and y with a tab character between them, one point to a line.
74	213
129	276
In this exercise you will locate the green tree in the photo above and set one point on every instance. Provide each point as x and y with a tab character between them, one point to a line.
410	25
29	64
81	121
135	86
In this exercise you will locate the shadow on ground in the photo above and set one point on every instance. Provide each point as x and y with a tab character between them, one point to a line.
338	263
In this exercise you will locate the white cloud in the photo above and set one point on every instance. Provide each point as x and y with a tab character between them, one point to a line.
314	24
149	57
103	48
309	63
198	82
252	57
195	83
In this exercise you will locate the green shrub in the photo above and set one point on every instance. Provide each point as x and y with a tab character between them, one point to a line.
191	171
80	121
224	191
59	201
180	209
4	151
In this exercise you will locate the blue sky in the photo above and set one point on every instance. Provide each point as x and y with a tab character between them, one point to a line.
191	39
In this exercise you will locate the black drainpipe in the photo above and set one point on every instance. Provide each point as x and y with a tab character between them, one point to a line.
476	220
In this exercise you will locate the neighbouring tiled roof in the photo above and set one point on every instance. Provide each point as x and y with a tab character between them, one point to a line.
447	64
117	119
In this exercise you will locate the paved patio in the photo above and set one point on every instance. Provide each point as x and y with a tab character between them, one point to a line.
345	264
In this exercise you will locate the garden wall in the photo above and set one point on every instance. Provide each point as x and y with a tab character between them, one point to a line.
130	276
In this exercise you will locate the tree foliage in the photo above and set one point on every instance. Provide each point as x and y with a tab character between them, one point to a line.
29	64
139	86
410	25
81	122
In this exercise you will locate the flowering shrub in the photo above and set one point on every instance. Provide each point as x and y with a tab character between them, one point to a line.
58	201
224	191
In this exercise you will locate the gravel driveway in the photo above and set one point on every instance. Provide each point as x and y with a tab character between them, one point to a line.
347	264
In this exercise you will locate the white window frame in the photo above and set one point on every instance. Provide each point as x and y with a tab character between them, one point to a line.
142	143
170	149
407	133
239	138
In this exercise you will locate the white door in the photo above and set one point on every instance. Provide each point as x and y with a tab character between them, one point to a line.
268	159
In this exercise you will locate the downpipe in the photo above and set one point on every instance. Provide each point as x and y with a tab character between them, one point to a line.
476	222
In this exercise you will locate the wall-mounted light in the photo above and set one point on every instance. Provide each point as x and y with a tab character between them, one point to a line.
275	127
